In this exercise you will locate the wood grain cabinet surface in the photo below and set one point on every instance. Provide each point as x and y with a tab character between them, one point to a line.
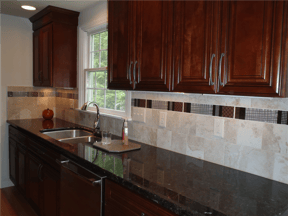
55	47
33	175
215	47
122	202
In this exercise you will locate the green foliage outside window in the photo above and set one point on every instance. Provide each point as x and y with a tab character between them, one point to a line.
96	86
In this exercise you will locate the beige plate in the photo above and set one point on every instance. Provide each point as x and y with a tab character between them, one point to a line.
117	146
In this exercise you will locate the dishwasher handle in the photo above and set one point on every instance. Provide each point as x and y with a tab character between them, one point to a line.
89	180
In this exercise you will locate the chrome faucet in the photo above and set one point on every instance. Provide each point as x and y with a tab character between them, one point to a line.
96	130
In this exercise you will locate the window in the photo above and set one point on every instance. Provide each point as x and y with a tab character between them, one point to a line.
109	101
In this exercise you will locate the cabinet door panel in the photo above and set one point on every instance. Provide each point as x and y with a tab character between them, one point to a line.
251	41
50	187
195	40
22	169
12	161
154	45
120	45
46	55
33	182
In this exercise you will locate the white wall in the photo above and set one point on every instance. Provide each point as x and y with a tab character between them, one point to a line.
16	70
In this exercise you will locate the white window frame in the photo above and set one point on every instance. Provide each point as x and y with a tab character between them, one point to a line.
84	67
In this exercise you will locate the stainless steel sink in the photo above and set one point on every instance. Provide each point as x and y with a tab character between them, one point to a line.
63	134
87	139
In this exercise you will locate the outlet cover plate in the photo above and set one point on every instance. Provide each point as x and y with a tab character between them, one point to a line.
139	114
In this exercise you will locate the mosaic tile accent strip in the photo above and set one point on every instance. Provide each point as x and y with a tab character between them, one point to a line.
42	94
253	114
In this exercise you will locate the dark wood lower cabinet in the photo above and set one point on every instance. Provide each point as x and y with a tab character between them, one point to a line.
12	160
122	202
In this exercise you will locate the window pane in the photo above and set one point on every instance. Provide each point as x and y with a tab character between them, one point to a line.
120	100
104	40
90	95
94	60
110	99
95	40
100	79
104	57
100	98
90	82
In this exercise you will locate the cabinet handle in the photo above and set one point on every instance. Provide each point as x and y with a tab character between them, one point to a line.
142	214
130	72
210	70
39	172
219	69
134	73
91	181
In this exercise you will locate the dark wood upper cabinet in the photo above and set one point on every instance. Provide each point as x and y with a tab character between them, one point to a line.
153	45
140	45
195	38
120	45
221	47
55	47
252	45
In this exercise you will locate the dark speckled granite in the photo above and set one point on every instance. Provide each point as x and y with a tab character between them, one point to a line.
185	185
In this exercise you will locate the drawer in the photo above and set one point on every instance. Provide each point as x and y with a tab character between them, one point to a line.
121	201
17	135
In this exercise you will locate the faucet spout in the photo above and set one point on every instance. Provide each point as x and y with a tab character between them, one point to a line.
96	130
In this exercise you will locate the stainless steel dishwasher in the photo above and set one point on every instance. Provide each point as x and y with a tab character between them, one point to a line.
81	191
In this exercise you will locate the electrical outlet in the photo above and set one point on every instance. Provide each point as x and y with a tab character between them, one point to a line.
139	114
162	119
219	127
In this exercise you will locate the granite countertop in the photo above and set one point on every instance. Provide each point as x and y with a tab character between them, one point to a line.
183	184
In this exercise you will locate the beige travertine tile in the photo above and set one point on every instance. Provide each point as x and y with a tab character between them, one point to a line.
270	103
205	126
164	138
179	142
232	156
257	161
275	138
118	127
181	122
130	130
214	151
280	172
250	134
138	95
145	134
195	146
231	127
152	117
165	96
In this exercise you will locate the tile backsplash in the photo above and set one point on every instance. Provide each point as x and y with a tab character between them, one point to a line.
254	130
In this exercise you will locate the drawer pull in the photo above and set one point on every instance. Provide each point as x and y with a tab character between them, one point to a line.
142	214
208	213
62	162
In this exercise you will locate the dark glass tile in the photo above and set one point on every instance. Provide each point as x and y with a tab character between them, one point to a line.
139	103
40	94
70	95
10	94
149	104
187	107
75	96
160	105
240	113
282	117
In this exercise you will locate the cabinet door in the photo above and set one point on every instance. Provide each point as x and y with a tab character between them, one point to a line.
252	41
46	55
36	59
120	45
33	181
13	161
50	191
21	168
153	45
194	46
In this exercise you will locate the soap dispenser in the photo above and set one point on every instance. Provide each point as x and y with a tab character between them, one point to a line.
125	133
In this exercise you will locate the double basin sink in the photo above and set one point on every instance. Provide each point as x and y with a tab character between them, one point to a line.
72	136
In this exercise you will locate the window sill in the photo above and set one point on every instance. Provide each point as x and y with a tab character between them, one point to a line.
105	114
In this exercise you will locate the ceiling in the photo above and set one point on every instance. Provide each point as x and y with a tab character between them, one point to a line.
14	7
